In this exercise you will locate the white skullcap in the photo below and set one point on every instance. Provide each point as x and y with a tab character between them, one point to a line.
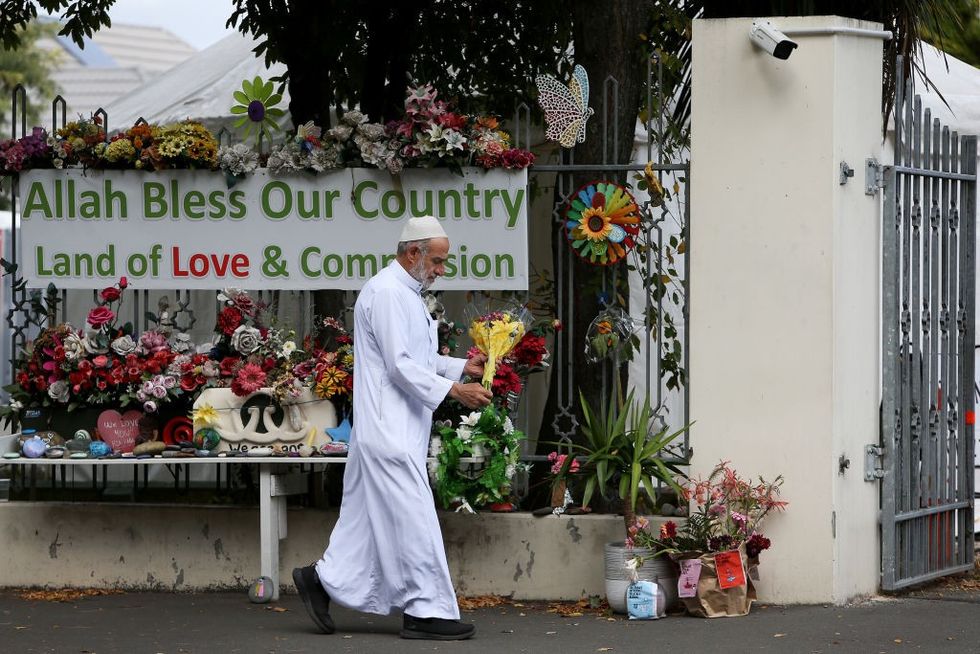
421	228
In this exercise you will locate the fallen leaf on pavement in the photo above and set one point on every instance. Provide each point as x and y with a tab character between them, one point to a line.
481	602
277	609
65	594
778	635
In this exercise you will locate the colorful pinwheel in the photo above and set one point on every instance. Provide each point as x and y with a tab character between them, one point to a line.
602	222
258	104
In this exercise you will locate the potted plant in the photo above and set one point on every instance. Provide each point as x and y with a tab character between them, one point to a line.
624	451
718	546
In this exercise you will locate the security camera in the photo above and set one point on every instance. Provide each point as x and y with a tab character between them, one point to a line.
767	37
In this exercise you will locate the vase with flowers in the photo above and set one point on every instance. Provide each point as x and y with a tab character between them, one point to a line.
718	546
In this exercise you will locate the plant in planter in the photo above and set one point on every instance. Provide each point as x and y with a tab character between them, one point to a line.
622	450
718	546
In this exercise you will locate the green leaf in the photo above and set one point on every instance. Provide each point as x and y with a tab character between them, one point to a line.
248	90
273	99
243	99
239	109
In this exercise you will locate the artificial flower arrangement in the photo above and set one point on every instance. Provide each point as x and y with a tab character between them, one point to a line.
184	145
515	348
719	544
488	434
250	353
105	365
430	133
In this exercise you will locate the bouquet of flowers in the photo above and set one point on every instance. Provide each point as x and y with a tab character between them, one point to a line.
488	433
728	510
104	365
30	151
495	334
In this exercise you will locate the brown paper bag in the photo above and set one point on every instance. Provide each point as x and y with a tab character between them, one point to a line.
711	600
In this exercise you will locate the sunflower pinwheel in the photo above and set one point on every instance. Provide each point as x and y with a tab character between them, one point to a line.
258	104
601	222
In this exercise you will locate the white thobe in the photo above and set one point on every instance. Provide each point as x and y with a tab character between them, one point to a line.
386	551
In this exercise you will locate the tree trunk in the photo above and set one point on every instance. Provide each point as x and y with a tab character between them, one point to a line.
607	44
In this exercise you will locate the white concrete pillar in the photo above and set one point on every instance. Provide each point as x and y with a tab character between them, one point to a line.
785	374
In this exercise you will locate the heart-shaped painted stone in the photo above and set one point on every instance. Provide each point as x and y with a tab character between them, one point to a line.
120	430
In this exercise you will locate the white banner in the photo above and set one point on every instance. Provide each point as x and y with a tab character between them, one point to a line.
189	229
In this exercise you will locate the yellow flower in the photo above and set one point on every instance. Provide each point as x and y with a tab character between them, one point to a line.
654	187
495	338
205	415
331	383
595	225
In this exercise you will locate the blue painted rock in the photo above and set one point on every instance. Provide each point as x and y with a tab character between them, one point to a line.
34	448
99	448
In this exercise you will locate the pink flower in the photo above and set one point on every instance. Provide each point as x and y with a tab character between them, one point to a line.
249	379
100	316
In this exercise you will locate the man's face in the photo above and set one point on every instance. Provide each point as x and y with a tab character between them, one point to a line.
433	265
428	267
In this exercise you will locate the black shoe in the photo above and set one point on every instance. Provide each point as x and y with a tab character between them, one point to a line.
315	598
435	629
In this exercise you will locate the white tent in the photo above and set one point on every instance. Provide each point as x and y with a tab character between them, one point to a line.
958	83
201	88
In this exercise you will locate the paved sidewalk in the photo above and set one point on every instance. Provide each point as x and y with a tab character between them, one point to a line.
137	623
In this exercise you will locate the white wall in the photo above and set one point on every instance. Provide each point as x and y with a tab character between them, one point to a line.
784	291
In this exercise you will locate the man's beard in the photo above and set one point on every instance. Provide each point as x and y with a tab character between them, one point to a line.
418	274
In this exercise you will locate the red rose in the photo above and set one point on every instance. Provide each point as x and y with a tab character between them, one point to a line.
100	316
227	366
188	383
123	283
228	320
101	361
110	294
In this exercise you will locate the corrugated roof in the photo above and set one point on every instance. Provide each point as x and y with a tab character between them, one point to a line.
152	49
115	61
87	89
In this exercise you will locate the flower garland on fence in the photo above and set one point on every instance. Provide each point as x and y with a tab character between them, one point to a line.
431	132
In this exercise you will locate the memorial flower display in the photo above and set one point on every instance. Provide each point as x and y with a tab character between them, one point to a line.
718	546
488	435
100	365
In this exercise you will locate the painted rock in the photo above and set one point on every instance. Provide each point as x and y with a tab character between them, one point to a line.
78	455
306	450
206	438
151	447
261	591
82	435
99	448
11	455
34	448
55	452
78	445
52	438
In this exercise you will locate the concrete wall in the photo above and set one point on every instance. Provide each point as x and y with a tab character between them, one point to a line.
183	548
785	291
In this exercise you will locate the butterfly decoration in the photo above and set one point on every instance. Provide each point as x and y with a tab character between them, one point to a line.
566	108
602	221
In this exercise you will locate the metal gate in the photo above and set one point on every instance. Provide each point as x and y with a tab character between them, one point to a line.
928	333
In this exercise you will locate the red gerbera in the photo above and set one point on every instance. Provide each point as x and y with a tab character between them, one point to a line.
249	379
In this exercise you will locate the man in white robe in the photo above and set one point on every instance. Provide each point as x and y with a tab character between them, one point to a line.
386	551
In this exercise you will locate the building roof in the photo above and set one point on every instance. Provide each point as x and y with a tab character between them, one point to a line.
114	61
